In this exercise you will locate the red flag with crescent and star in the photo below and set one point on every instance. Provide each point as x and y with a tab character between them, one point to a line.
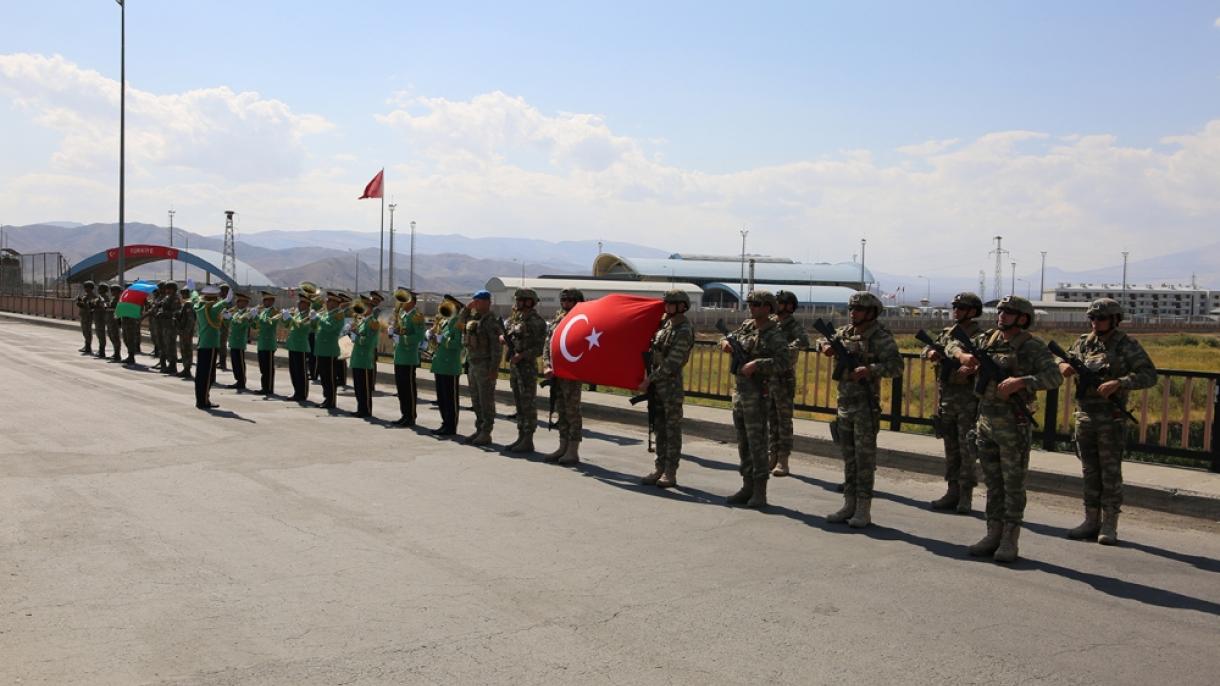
373	190
603	341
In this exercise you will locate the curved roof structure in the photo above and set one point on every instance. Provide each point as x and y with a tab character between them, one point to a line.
703	271
104	265
806	295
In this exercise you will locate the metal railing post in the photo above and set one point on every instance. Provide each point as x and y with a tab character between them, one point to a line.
896	403
1215	429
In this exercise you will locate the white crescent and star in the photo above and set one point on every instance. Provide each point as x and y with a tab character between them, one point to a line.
593	338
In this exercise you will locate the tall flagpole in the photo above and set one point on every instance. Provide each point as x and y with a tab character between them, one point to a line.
381	242
122	128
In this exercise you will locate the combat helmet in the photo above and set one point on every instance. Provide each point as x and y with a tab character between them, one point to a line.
786	298
525	294
968	299
762	297
88	284
1105	307
677	295
572	294
1016	303
865	300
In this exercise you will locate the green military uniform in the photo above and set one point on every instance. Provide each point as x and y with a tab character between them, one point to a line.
113	325
766	351
565	393
482	332
527	333
957	413
166	317
239	338
670	349
781	394
224	332
153	312
446	368
185	326
266	327
1101	427
858	416
101	306
364	334
326	349
85	302
300	325
208	317
1002	433
407	334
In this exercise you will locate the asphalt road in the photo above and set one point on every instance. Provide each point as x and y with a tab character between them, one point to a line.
144	541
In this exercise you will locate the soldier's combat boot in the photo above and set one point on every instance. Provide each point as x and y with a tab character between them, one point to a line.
1108	535
987	545
965	500
948	501
652	477
669	479
759	497
481	438
780	468
525	445
772	462
743	496
554	457
1007	552
1089	527
172	371
863	515
844	513
469	439
572	455
512	447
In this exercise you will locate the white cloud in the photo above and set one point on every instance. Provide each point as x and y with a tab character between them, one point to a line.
1217	23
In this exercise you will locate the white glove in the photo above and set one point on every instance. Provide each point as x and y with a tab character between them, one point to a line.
255	310
286	314
394	337
227	314
230	296
352	335
190	283
313	315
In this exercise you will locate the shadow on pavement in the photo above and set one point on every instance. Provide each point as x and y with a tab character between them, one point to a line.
229	414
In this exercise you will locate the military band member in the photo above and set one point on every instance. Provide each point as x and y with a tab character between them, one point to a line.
447	366
239	319
209	313
113	325
859	403
102	305
364	333
330	322
1122	366
482	334
565	392
1003	431
375	299
407	333
185	325
300	324
85	303
265	321
765	358
224	335
166	317
670	349
781	396
527	334
958	410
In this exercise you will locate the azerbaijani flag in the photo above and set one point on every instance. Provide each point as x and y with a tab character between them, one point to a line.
132	299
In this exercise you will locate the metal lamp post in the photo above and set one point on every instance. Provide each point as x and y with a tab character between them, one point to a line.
411	264
741	300
171	243
392	207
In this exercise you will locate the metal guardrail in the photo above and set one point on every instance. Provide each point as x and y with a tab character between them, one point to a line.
1178	416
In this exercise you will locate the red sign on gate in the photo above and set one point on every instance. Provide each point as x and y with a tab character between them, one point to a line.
156	252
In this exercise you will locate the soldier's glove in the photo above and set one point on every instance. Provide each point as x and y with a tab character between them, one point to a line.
226	315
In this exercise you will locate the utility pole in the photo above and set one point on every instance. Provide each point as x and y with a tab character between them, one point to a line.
1012	290
411	285
228	262
1042	282
863	285
741	304
999	252
171	243
982	285
393	206
1125	253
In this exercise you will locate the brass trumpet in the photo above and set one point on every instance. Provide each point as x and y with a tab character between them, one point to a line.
360	307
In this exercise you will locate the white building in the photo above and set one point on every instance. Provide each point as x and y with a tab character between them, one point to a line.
1146	300
503	287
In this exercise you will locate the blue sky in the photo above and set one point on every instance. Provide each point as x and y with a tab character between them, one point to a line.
701	117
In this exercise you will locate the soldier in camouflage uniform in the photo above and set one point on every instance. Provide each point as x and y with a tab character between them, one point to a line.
166	317
782	391
766	359
859	403
1003	433
566	392
85	302
671	348
185	325
113	327
481	337
959	409
99	318
528	335
153	312
1101	427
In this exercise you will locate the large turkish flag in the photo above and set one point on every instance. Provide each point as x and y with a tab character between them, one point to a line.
603	341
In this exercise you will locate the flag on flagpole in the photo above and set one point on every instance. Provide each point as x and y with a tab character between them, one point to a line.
133	298
603	341
373	189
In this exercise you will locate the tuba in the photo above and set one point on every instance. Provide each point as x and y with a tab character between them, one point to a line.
359	307
311	290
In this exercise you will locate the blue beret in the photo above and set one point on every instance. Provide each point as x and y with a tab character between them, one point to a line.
482	295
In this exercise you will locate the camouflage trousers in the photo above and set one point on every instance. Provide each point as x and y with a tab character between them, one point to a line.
1100	442
99	330
86	329
483	393
523	378
779	401
858	440
186	345
959	412
154	332
1003	449
567	409
114	330
167	345
750	410
669	396
131	334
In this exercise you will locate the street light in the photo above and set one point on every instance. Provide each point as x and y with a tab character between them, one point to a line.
1042	281
391	286
1012	274
411	264
1026	282
863	286
171	244
927	301
741	294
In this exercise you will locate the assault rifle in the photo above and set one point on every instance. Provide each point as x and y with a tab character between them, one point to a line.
550	418
1087	379
737	350
649	396
845	361
948	365
990	371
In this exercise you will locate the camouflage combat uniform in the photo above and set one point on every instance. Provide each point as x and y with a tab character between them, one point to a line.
113	328
528	334
567	392
85	302
186	325
101	305
482	342
782	395
166	317
768	348
1101	430
958	412
671	348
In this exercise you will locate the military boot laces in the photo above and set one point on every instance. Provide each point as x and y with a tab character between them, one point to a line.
987	545
1089	527
843	513
1108	534
742	496
652	477
554	456
1007	552
948	501
758	498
